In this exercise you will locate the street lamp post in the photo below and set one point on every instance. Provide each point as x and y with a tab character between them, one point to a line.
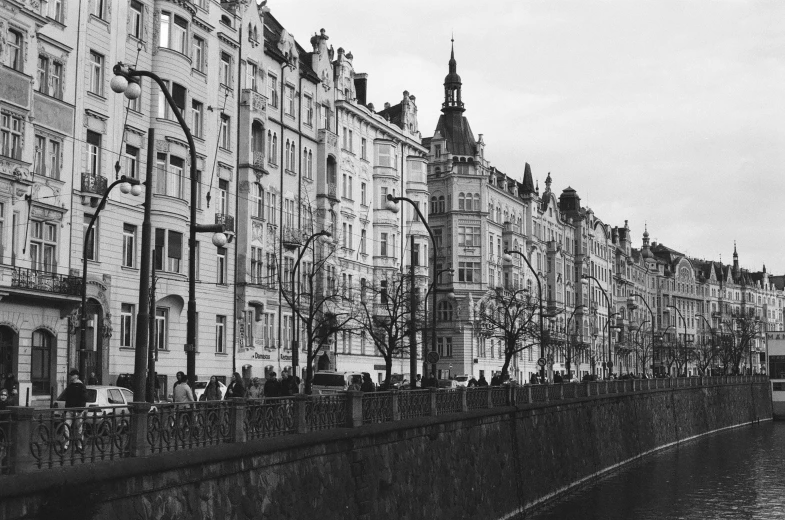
569	351
651	313
508	258
127	185
637	336
295	346
425	302
684	346
125	79
608	301
393	206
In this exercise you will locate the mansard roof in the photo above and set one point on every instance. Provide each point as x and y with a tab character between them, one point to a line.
454	127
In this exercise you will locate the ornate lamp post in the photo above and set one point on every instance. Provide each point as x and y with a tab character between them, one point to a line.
608	301
684	346
393	206
127	185
572	315
126	78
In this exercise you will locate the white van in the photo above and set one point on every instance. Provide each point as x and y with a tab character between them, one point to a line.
328	382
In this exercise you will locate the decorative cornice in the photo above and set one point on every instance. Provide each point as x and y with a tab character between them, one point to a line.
227	40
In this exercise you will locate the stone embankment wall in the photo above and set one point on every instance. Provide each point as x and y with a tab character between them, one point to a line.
490	464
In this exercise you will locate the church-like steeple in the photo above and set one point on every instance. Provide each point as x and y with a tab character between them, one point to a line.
735	259
452	85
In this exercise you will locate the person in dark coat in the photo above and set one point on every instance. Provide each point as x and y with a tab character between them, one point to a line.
75	397
482	381
557	378
472	382
496	380
285	385
367	385
212	392
272	388
236	387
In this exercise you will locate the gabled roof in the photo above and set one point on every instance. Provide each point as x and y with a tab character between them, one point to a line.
394	113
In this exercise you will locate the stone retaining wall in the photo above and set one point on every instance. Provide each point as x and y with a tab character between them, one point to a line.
488	463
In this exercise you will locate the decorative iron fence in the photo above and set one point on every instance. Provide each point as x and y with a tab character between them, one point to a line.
269	417
50	438
43	281
69	436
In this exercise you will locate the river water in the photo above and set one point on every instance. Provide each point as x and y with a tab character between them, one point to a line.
737	474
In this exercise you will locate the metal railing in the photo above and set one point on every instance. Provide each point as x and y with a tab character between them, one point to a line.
40	439
43	281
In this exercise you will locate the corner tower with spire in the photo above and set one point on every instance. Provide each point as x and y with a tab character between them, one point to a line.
452	125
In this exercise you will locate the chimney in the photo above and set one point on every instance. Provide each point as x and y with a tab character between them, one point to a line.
361	87
386	105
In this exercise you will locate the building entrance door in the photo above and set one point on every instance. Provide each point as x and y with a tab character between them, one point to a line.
7	348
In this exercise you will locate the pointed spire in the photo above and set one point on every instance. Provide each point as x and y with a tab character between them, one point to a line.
452	84
528	181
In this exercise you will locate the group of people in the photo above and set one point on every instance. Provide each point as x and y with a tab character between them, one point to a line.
9	392
273	387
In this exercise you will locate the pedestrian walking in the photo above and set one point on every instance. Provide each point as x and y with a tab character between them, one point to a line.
182	392
482	381
472	382
285	388
255	390
212	392
356	384
236	387
272	387
367	385
75	397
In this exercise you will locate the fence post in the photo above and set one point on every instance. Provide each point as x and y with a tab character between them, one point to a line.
561	392
512	395
462	393
237	419
355	409
138	434
489	396
396	412
529	394
432	396
300	418
21	459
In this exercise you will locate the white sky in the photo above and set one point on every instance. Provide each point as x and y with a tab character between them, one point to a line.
665	112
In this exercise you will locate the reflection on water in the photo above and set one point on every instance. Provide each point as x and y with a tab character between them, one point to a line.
737	474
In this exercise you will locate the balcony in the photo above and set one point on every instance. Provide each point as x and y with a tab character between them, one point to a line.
226	220
332	191
255	101
258	160
93	188
509	227
45	282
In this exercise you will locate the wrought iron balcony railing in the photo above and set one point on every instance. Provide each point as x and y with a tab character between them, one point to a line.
226	220
93	183
30	279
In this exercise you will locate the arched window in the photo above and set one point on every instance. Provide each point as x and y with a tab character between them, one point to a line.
292	158
476	202
441	204
433	207
286	156
310	164
444	311
257	138
269	145
41	362
332	170
499	214
258	202
274	152
462	201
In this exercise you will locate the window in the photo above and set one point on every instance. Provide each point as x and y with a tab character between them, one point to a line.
197	118
257	265
444	311
223	197
362	241
384	196
40	152
220	267
220	334
225	69
225	136
97	8
308	110
127	325
385	156
383	245
345	138
93	153
161	328
11	135
363	149
324	116
289	107
250	76
131	159
41	362
271	208
90	238
56	80
469	236
43	74
469	272
51	8
135	13
272	90
169	180
309	172
351	141
179	94
198	54
170	245
43	246
444	346
258	200
174	32
15	47
129	245
96	73
363	194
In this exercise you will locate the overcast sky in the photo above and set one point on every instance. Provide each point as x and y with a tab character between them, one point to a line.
670	113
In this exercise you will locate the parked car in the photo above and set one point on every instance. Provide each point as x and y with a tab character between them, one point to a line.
462	380
329	382
447	383
101	395
200	386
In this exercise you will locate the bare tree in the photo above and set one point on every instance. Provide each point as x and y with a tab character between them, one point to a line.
704	353
742	330
644	348
385	314
323	306
510	317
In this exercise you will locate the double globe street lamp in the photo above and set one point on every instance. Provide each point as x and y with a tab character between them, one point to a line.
126	81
